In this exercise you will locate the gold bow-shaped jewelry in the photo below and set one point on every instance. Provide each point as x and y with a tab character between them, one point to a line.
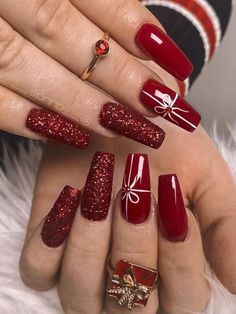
128	291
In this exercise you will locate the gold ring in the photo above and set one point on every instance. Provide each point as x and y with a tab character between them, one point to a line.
101	50
131	284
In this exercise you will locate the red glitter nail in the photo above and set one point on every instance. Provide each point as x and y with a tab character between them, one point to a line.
96	196
59	221
56	127
131	124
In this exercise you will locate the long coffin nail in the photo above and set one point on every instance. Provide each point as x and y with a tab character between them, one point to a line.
56	127
97	192
59	221
163	50
131	124
172	212
136	193
168	104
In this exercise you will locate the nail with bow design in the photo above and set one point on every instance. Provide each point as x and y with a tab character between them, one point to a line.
168	104
136	193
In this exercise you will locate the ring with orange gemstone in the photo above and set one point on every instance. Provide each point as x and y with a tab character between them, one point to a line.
131	284
101	50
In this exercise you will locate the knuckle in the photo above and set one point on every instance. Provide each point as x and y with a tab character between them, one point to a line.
10	45
51	17
32	272
124	72
124	10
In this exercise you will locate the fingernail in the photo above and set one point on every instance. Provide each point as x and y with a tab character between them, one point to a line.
164	51
136	190
168	104
97	192
131	124
56	127
172	212
59	221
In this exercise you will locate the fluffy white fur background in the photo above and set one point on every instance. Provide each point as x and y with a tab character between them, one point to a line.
15	200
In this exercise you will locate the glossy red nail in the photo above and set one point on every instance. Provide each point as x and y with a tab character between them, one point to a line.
97	192
56	127
136	190
172	212
168	104
59	221
131	124
163	50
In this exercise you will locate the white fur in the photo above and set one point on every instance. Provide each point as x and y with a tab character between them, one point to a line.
15	199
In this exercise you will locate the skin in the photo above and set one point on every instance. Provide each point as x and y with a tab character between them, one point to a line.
208	188
206	181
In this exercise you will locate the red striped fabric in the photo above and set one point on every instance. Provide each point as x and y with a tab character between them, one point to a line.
201	14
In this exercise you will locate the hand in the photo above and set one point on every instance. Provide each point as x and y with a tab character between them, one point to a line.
207	187
45	46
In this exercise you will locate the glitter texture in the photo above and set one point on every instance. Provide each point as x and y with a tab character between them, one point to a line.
56	127
96	196
59	221
131	124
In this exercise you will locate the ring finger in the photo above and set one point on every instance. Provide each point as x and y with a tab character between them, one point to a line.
134	240
65	34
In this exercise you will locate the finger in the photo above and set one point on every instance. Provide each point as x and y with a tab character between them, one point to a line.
47	243
14	110
134	236
181	259
82	280
119	75
138	31
51	178
215	204
62	92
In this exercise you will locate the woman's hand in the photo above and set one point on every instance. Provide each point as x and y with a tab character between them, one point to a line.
45	46
77	266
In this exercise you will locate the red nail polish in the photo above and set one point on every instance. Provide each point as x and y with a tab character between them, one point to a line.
136	190
56	127
168	104
131	124
163	50
59	221
172	212
97	192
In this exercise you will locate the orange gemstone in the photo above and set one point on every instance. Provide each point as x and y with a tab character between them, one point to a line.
102	47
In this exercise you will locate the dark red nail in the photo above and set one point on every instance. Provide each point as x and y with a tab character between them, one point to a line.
136	193
131	124
163	50
172	213
97	192
168	104
56	127
59	221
